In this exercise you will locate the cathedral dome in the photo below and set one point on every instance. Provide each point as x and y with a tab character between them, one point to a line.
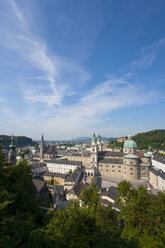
98	138
130	143
94	138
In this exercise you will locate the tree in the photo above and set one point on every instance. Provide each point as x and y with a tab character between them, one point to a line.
90	195
19	212
143	216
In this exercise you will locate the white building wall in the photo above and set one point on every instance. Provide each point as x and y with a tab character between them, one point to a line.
158	165
161	183
60	168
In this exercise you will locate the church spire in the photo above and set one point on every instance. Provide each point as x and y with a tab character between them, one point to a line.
12	151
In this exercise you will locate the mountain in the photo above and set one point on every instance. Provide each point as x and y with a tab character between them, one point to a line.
80	139
21	141
154	139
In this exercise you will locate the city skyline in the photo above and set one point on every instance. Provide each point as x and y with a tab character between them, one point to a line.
71	68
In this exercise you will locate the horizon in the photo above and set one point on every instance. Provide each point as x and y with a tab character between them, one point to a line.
69	69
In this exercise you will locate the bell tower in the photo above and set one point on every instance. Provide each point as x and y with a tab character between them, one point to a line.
100	148
42	148
94	152
12	151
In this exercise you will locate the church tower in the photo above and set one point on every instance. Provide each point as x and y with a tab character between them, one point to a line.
100	148
94	152
42	148
12	151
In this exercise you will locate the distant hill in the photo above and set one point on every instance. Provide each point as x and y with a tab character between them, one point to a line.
80	139
21	141
154	139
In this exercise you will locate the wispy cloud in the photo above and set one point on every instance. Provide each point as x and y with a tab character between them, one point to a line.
155	45
55	70
142	63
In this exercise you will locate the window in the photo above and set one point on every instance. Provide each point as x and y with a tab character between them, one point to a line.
119	166
131	173
119	170
112	170
125	162
101	169
113	166
100	165
106	165
125	168
131	168
131	162
129	150
124	171
106	170
125	150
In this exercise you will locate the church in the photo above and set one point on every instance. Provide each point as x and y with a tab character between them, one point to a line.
130	163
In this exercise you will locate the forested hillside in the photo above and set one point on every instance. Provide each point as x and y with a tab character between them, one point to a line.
155	139
21	141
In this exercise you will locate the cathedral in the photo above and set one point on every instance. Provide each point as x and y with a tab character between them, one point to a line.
129	164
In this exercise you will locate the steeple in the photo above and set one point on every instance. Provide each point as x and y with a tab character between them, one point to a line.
42	148
94	151
12	151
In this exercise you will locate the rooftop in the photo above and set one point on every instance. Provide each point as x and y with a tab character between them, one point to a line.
111	154
50	150
111	161
158	172
64	161
111	193
51	174
73	176
131	156
160	159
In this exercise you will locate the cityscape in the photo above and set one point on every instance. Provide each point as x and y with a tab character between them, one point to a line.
82	135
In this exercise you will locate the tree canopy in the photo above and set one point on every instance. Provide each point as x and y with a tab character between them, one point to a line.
139	224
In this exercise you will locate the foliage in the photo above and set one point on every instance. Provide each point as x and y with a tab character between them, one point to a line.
70	172
90	195
154	139
21	141
19	214
115	144
143	215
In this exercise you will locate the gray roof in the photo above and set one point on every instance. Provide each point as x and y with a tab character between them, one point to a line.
51	174
160	159
111	154
158	172
37	165
111	193
80	154
39	186
76	190
107	203
50	150
73	176
111	161
64	161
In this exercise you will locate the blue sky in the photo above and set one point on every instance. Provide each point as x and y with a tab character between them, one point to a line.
71	68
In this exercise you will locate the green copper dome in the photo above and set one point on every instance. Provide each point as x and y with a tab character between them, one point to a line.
12	145
130	144
94	137
99	138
